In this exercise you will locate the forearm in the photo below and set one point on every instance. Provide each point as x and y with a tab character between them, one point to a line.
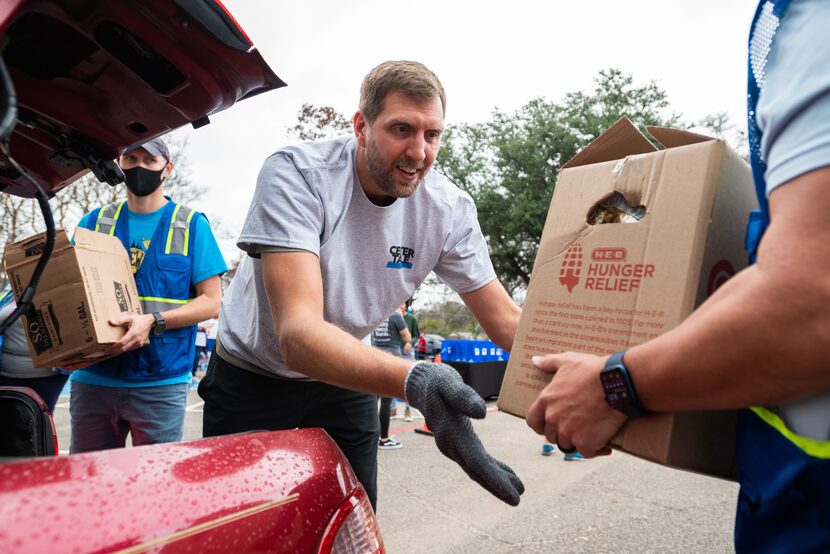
199	309
760	339
504	330
496	312
327	353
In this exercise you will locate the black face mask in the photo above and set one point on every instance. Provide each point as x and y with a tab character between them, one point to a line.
141	181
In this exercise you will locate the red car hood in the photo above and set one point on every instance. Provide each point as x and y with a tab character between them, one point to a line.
271	491
93	78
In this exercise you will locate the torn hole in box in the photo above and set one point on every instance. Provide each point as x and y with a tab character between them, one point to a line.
615	209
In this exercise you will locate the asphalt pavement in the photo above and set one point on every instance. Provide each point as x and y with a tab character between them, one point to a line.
613	504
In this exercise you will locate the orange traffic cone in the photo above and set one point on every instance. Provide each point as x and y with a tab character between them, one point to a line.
425	430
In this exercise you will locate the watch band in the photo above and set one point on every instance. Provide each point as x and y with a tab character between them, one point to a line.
159	325
619	387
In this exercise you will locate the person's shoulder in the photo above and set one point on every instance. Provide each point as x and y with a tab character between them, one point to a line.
189	214
84	221
438	188
309	156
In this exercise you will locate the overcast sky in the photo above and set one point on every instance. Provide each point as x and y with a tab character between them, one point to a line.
487	54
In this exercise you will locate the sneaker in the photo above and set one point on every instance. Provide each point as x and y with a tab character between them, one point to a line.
548	449
575	457
389	444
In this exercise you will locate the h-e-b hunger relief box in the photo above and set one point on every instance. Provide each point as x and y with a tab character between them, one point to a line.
603	282
81	289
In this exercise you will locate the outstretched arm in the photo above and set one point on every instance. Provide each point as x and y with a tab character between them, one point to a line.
321	350
311	345
495	311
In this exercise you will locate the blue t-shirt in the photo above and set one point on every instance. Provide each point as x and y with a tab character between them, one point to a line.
794	106
207	262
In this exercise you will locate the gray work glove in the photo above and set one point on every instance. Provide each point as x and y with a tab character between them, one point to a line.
447	404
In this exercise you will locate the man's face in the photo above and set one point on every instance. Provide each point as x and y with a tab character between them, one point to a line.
141	158
401	144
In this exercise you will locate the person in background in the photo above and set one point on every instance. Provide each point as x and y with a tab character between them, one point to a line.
408	350
176	261
16	367
760	342
414	330
388	337
201	344
548	449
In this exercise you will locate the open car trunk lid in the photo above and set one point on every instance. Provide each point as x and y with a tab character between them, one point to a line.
93	78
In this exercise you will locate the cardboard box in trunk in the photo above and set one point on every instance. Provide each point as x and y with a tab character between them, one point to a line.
600	288
81	289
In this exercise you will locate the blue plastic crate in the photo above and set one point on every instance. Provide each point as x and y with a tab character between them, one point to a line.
472	351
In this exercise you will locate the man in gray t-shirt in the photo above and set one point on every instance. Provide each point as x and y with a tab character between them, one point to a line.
338	234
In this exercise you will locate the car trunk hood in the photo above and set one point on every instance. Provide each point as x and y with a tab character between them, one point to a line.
254	492
93	78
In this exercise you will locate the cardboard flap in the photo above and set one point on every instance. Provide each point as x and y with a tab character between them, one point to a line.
30	249
672	138
92	240
620	140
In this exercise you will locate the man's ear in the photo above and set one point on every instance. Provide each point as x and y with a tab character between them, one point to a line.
168	169
360	128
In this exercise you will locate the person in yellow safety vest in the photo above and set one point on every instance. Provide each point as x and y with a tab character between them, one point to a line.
761	340
177	264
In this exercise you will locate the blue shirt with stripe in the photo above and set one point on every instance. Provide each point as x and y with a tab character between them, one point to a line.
207	263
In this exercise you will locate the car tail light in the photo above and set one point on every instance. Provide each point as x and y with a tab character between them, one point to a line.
353	528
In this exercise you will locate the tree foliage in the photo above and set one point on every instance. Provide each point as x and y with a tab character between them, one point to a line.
447	318
319	123
509	164
21	216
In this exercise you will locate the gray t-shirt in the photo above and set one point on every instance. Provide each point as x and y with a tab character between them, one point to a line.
15	359
387	335
794	106
372	258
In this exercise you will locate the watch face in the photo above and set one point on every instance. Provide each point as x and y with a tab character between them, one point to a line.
616	387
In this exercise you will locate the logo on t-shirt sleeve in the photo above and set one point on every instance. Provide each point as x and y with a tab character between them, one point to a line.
402	257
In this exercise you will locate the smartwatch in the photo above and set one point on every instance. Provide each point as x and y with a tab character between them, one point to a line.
160	325
618	387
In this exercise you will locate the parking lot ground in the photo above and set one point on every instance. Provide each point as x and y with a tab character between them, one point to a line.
613	504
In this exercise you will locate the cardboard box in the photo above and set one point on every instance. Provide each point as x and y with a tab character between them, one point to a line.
81	289
600	288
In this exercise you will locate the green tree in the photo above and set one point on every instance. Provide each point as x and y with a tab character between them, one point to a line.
509	165
319	123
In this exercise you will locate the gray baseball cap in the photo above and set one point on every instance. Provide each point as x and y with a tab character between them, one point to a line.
155	147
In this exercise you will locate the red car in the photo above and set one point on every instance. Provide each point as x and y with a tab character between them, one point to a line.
281	491
81	81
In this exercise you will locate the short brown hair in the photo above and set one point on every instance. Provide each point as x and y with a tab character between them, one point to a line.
412	79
